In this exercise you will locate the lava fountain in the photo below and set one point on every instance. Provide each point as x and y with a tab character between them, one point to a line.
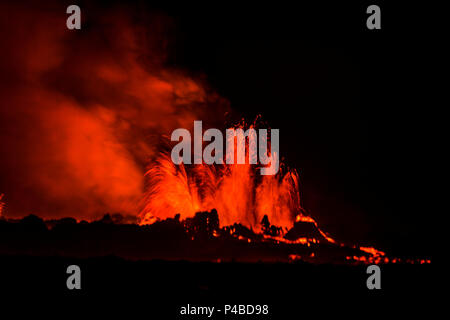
237	191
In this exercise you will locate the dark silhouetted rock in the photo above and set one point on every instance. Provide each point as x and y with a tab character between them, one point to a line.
203	224
33	223
269	229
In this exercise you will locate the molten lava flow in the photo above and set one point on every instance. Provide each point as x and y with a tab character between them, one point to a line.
304	218
372	251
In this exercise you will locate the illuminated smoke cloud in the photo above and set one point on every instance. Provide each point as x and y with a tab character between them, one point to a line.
82	111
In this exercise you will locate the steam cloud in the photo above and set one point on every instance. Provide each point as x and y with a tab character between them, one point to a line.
81	111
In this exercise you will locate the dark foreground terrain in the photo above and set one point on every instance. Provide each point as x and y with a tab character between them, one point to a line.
153	271
158	289
196	239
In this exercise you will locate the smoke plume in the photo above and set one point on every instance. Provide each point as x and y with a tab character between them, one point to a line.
82	110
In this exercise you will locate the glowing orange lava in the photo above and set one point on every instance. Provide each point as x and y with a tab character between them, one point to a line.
240	195
237	191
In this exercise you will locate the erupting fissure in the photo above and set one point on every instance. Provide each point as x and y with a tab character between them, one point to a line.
240	196
234	188
236	191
